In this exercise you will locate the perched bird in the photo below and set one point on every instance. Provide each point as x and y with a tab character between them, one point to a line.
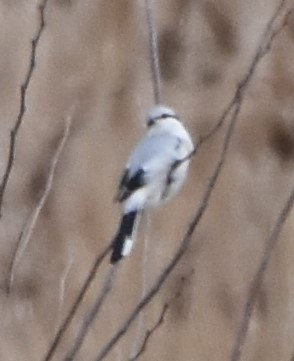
154	173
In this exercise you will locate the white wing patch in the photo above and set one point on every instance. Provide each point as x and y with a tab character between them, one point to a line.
127	247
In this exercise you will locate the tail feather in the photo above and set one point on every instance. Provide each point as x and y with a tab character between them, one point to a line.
123	243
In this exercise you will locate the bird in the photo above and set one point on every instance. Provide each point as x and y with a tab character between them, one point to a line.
154	173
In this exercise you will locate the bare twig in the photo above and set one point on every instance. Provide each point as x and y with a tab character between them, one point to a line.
22	106
255	285
150	332
30	225
276	14
161	318
178	162
92	314
264	47
63	280
153	49
234	111
65	324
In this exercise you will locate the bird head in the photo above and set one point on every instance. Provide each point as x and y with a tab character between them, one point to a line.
159	112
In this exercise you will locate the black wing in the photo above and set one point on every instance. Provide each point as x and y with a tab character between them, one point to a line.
129	184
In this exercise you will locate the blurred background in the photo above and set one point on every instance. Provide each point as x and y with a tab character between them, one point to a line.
92	64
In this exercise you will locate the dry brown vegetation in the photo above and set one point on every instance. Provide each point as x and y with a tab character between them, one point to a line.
75	99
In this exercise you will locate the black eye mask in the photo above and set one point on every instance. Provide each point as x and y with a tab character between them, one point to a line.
152	121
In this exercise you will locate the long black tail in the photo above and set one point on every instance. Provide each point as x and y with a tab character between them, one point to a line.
123	242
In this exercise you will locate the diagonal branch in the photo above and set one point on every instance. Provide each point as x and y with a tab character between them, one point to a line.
255	285
150	332
264	47
267	39
161	318
91	315
185	243
30	225
22	105
63	279
65	324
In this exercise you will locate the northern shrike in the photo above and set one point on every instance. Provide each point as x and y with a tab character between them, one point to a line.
154	173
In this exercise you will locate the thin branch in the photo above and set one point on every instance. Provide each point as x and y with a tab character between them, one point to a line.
63	280
161	318
174	166
264	47
276	32
22	106
255	285
30	225
150	332
153	50
276	14
178	162
65	324
91	315
185	243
